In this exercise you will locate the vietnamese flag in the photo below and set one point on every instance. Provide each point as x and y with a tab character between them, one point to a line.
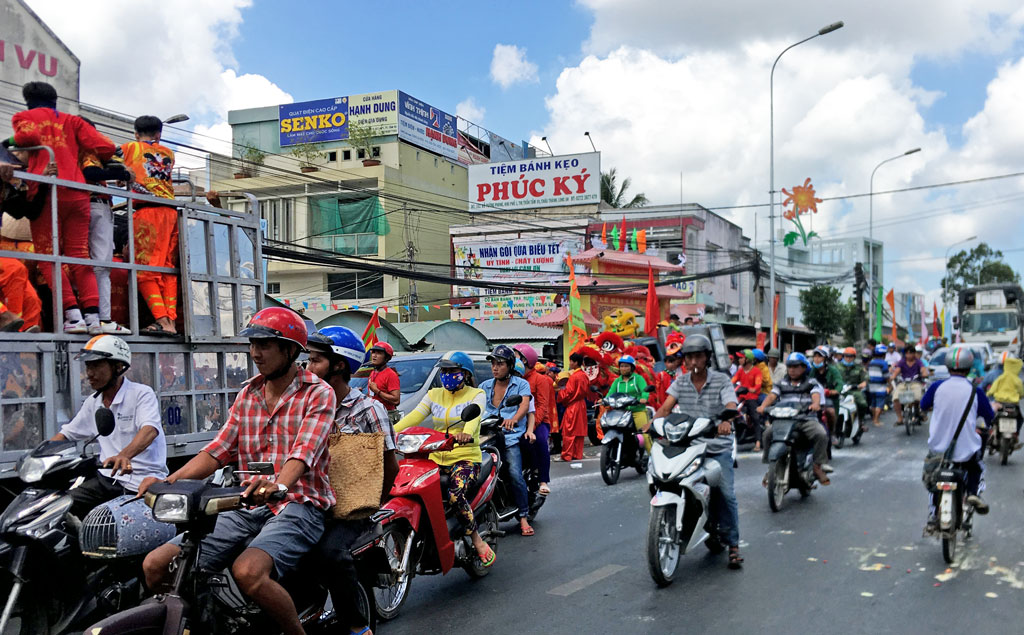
935	320
370	334
653	308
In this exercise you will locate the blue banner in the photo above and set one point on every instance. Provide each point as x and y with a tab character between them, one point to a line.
313	121
430	128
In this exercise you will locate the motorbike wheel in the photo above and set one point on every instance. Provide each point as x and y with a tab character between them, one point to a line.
487	525
1004	450
592	435
841	438
390	590
663	549
30	616
713	544
777	483
642	461
610	469
366	606
949	548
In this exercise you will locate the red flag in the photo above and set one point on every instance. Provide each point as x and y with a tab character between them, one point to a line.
935	320
891	299
604	233
653	308
370	334
775	321
622	241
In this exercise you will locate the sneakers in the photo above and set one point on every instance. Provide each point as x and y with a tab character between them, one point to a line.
978	503
113	328
827	469
75	327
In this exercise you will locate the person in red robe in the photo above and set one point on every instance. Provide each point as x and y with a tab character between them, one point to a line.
574	397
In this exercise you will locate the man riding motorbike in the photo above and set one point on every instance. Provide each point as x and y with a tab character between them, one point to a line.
797	390
137	448
515	420
335	352
702	392
854	374
831	380
749	377
445	406
283	416
543	391
913	373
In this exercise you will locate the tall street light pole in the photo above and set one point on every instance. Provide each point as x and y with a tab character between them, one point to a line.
871	238
835	26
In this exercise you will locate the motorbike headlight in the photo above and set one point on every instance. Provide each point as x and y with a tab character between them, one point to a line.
45	521
410	443
171	508
675	432
33	468
693	467
784	413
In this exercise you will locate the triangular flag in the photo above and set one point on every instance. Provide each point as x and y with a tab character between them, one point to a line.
370	334
935	320
287	302
305	305
604	233
437	306
641	241
426	308
632	240
615	237
472	320
891	299
623	233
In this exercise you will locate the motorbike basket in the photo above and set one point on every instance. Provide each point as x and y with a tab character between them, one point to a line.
118	530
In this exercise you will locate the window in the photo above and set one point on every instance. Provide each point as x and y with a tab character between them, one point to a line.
346	155
435	162
376	152
734	281
355	286
273	288
332	156
790	321
361	153
278	214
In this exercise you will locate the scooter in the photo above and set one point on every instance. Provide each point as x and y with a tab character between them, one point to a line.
909	404
622	445
1004	437
49	585
790	456
421	536
955	515
848	425
204	601
680	479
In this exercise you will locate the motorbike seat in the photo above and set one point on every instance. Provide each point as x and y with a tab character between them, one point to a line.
486	465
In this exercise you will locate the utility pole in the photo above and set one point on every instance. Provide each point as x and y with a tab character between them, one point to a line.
411	253
858	297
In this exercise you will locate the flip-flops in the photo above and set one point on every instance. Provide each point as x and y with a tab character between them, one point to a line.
489	559
526	531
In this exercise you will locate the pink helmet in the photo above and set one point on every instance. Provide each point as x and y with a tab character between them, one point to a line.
528	353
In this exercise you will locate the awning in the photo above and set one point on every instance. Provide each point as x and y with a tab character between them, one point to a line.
557	319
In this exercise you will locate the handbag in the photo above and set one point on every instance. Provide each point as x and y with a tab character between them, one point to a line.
934	462
356	472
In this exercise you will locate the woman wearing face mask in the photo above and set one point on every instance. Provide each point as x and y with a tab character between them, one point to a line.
854	374
831	380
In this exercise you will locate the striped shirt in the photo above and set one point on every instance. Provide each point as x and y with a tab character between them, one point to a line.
358	413
709	402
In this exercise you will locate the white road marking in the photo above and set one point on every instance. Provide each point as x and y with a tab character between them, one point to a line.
584	581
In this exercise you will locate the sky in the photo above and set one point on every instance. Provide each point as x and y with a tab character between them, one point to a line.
674	94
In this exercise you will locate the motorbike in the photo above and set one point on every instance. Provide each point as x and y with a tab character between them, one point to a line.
790	456
97	565
492	439
207	601
1003	437
910	404
848	424
680	479
746	432
622	445
954	514
421	536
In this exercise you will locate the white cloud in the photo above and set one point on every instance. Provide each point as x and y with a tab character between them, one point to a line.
148	57
470	110
509	66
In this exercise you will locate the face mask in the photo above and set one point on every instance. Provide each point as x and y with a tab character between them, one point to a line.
451	381
846	363
817	364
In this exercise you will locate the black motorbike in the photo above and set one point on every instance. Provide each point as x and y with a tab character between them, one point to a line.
621	447
745	423
48	584
492	436
790	456
204	601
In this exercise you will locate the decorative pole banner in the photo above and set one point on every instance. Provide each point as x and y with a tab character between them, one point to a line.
891	299
803	200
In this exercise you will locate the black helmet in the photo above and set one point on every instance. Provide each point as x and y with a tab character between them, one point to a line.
502	353
695	344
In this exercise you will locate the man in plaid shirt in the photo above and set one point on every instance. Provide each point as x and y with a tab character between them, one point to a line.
334	354
283	416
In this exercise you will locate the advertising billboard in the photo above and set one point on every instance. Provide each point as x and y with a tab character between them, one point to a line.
375	110
571	179
313	121
430	128
513	260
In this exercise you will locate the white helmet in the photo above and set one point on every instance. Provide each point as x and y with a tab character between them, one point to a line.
106	347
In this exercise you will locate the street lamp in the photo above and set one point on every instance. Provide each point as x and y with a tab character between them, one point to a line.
177	118
835	26
945	270
871	236
545	140
589	138
502	144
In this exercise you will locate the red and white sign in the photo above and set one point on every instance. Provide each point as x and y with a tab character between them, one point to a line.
572	179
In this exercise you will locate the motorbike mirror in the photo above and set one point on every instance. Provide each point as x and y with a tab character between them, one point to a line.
104	421
470	412
650	389
728	414
514	400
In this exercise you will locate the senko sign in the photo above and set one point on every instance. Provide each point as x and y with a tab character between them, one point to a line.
313	121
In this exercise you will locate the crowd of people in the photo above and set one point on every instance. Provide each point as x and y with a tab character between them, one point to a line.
92	296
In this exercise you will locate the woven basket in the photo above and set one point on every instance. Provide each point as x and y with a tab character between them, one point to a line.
357	473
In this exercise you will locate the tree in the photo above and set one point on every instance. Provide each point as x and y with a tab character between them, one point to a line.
981	265
823	313
615	196
849	323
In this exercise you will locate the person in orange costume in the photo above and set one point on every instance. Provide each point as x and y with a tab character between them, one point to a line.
156	226
68	136
574	396
20	297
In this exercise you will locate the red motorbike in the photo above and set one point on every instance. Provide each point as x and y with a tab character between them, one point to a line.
422	536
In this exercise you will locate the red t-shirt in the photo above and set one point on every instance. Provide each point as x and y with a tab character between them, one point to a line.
749	379
387	381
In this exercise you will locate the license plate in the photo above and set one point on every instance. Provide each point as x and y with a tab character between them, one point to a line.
1007	426
946	510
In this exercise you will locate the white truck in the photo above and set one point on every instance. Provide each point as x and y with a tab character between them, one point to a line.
993	313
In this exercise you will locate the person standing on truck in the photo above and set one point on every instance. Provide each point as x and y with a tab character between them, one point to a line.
384	385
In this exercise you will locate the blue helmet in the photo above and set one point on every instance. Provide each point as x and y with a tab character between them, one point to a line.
502	353
520	368
628	359
341	342
759	355
455	361
798	359
881	349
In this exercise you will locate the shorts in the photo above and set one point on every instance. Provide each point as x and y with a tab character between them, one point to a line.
876	399
285	537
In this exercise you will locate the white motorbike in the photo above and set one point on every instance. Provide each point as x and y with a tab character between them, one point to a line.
848	425
1003	438
680	479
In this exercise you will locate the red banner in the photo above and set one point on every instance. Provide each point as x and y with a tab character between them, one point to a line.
775	321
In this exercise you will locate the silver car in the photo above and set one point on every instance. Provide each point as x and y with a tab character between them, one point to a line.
417	373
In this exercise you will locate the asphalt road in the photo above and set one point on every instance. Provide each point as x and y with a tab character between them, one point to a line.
848	559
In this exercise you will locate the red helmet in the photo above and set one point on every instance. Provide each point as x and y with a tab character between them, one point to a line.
277	323
529	354
383	347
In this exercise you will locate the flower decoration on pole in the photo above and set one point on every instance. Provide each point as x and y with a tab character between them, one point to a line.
803	200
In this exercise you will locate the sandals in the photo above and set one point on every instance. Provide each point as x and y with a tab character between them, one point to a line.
544	490
526	531
157	330
489	559
735	559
